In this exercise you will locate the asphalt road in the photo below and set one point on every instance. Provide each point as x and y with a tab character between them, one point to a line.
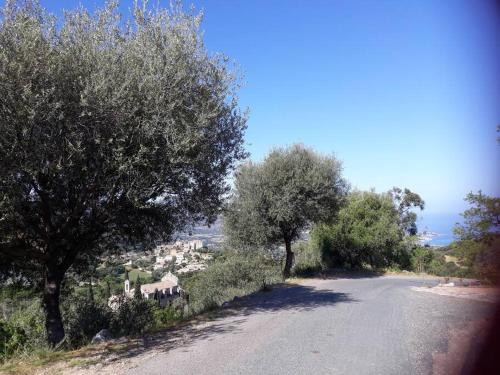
349	326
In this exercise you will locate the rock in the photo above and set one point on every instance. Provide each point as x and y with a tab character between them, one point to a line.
449	284
102	336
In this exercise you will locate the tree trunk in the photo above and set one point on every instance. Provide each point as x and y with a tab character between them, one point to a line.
289	259
53	320
372	263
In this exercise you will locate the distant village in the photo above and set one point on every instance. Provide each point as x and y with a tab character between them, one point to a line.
162	264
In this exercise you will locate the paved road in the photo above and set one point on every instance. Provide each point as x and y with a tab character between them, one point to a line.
346	326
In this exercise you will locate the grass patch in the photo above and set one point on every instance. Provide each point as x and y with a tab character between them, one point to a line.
27	363
134	272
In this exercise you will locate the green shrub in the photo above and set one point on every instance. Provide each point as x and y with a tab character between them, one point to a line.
229	276
12	338
134	316
157	274
164	316
83	318
424	259
307	260
30	318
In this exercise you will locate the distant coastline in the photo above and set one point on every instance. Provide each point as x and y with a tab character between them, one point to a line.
436	229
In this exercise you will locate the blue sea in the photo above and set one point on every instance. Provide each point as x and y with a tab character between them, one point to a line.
441	223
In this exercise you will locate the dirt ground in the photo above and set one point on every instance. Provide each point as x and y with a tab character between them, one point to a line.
464	343
478	293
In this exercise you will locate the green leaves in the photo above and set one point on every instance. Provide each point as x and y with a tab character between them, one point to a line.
481	220
113	124
111	132
280	197
366	231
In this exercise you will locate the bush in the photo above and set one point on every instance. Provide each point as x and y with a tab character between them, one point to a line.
157	274
134	316
366	231
480	257
230	276
12	338
31	320
164	316
83	318
307	260
422	259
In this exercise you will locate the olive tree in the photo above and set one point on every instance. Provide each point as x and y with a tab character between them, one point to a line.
111	132
277	199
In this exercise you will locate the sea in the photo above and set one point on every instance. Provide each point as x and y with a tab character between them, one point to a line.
440	225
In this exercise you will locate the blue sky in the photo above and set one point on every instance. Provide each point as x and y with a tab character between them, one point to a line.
405	93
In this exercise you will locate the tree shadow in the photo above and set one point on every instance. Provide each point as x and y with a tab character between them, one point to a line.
340	273
283	297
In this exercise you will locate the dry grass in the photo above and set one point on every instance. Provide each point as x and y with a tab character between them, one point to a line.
51	362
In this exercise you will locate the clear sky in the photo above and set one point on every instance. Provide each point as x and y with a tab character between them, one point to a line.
405	93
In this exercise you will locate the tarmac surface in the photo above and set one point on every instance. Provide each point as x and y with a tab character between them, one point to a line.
367	325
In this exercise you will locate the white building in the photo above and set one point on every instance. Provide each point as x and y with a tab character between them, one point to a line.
194	245
164	291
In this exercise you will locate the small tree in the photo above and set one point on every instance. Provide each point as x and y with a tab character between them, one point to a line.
369	229
137	288
406	200
366	231
481	220
111	133
479	236
274	201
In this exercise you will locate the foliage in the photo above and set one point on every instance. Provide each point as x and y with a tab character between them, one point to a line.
366	232
422	258
22	323
231	275
116	270
137	289
12	338
405	200
274	201
165	316
133	317
481	220
135	273
142	263
307	260
110	132
479	237
433	261
480	257
83	318
30	318
157	274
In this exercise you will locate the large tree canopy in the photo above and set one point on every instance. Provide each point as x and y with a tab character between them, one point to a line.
109	131
274	201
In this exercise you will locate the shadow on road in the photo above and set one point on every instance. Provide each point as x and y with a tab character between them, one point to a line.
339	273
286	297
226	320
